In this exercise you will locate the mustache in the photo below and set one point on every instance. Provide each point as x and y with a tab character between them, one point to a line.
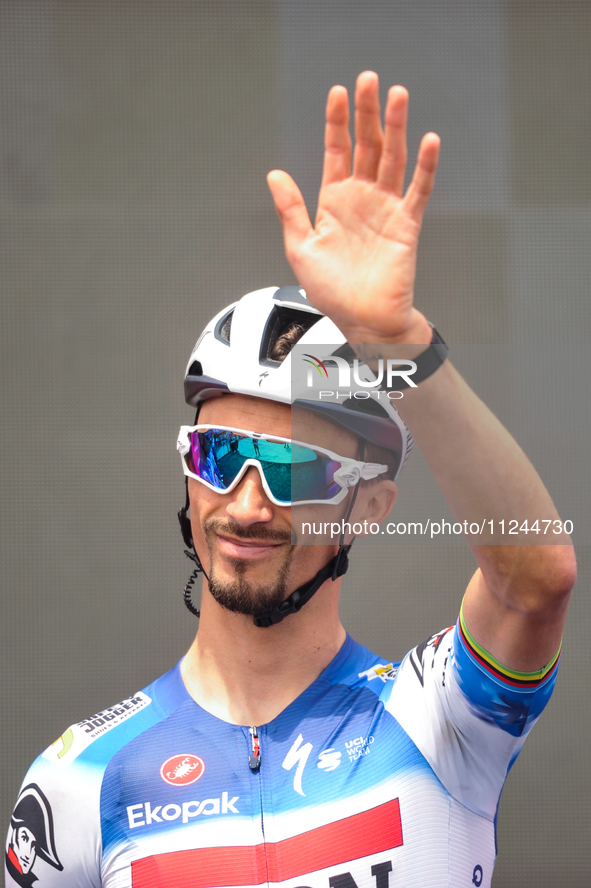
253	532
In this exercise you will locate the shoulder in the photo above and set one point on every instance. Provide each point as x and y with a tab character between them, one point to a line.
96	738
60	799
356	667
468	715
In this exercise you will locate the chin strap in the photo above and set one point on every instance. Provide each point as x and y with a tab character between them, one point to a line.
185	524
336	567
191	582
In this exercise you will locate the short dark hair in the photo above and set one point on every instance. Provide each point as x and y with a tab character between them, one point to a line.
286	340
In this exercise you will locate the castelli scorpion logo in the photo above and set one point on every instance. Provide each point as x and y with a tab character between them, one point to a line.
180	770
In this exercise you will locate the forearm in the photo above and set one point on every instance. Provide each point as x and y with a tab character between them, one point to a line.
357	265
487	480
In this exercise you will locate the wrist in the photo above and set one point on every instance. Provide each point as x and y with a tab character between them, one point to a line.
422	360
418	331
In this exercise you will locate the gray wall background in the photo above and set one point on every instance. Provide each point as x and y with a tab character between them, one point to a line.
134	142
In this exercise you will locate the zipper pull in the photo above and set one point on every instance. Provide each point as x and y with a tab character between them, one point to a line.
254	760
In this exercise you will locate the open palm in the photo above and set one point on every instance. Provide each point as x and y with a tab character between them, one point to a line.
357	264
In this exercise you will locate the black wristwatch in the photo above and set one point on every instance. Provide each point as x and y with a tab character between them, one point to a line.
428	361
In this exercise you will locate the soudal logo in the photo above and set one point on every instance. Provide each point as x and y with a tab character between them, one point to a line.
180	770
388	373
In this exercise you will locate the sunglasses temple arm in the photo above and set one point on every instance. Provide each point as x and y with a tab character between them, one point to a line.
372	470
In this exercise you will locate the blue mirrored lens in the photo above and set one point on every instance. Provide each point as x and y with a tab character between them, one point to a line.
292	471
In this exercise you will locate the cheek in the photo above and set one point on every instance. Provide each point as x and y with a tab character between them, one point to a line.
201	498
202	503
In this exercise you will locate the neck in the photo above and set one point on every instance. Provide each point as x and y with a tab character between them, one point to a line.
247	675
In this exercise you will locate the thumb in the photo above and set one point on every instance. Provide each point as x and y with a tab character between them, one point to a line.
290	208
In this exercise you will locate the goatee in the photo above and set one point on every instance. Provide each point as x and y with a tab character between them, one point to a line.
240	595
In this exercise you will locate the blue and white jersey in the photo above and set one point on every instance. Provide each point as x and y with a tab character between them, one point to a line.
379	775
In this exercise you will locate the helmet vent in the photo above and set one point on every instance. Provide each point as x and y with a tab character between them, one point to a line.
288	323
195	369
224	328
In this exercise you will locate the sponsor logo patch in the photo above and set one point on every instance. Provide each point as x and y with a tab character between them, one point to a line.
75	740
30	837
358	747
329	759
182	769
385	673
144	814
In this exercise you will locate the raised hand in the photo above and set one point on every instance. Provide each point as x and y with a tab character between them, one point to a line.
357	264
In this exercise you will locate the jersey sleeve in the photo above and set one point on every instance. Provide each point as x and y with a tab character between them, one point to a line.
54	836
467	714
55	833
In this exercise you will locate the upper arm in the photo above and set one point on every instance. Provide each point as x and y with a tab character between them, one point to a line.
54	833
515	604
467	714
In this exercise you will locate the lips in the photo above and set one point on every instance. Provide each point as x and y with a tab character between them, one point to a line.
246	548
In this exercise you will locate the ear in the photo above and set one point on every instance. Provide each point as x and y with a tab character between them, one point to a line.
374	502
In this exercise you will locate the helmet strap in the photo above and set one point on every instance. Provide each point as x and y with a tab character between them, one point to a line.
336	567
185	523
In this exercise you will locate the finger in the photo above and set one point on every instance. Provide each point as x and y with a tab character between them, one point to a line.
291	210
393	160
337	140
419	190
368	129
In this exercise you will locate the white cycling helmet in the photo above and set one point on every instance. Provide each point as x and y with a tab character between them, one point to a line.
233	354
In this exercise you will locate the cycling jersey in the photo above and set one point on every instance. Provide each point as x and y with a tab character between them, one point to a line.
378	775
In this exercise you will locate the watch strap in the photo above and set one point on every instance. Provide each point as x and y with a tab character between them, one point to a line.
428	361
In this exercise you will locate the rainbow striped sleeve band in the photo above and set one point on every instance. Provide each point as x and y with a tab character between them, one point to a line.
513	700
510	676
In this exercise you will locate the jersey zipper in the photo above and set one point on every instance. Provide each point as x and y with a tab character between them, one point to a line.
254	761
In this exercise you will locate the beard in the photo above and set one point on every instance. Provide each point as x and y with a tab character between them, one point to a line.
239	595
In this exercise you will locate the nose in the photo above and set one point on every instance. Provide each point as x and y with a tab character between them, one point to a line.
248	503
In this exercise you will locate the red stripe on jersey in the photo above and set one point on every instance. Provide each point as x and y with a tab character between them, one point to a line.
370	832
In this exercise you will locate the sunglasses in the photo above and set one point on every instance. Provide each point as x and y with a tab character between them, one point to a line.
292	473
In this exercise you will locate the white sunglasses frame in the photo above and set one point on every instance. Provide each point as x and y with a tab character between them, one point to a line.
348	475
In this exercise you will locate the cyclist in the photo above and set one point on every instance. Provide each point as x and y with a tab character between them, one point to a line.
279	750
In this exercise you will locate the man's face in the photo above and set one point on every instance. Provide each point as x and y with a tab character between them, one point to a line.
251	563
24	847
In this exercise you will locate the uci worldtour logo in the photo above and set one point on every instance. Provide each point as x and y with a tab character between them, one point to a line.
391	373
